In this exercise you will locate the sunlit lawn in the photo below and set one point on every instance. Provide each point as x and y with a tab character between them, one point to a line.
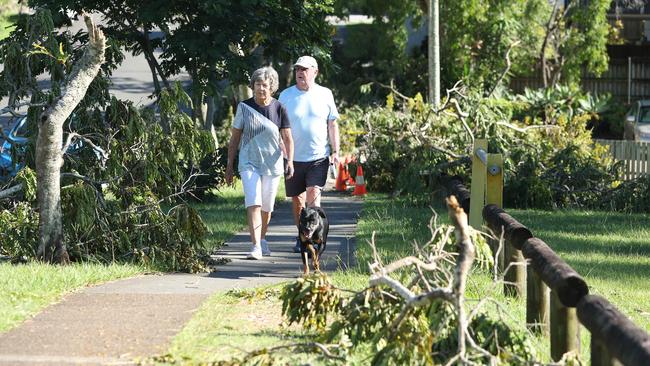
27	288
8	18
610	250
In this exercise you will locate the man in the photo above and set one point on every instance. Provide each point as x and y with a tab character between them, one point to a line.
313	115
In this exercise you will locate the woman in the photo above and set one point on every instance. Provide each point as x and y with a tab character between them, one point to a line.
262	132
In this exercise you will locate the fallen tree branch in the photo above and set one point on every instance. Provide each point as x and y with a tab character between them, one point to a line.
455	294
466	256
525	129
12	108
11	191
74	135
392	89
323	348
505	71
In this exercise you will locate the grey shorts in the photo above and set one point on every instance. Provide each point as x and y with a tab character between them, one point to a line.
306	174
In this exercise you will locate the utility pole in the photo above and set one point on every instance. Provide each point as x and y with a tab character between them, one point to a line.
434	52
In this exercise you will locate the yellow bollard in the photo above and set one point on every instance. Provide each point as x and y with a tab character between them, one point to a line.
479	180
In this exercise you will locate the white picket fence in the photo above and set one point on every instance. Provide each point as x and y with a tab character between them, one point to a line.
635	154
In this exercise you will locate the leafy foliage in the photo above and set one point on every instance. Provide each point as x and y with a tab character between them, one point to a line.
125	165
628	196
378	319
19	231
549	157
311	300
217	42
511	346
583	31
477	36
390	62
400	147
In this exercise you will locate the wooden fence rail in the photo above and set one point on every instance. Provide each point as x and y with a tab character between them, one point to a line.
634	154
614	338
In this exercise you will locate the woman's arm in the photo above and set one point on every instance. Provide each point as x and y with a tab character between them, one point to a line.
287	139
235	137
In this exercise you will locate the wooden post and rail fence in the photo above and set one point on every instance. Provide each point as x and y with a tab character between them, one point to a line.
557	297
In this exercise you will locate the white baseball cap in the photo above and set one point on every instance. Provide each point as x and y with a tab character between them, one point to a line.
307	62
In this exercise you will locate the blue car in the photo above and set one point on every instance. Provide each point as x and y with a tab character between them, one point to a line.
13	146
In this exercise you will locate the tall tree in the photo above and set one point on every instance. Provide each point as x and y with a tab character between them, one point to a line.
575	41
49	157
106	189
212	40
378	51
31	51
476	36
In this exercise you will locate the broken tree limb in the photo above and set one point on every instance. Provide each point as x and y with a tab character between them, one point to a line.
11	191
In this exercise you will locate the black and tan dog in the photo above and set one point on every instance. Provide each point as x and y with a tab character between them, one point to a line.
312	228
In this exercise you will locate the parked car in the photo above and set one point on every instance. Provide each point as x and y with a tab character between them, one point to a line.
637	121
12	147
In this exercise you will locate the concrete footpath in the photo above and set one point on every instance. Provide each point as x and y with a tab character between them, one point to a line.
119	322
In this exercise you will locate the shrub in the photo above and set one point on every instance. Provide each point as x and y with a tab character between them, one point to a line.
112	205
549	158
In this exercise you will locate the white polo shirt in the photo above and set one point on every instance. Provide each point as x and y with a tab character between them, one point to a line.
309	112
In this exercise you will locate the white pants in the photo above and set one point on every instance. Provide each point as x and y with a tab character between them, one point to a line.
260	190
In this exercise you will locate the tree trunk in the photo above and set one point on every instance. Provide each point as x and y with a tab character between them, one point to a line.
434	53
49	157
543	64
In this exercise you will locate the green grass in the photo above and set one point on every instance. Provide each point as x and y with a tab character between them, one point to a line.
8	16
223	214
609	250
230	325
27	289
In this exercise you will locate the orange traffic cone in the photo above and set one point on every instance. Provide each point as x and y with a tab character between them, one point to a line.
341	179
348	160
360	184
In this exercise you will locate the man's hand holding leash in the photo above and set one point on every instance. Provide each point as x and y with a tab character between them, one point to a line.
334	159
288	169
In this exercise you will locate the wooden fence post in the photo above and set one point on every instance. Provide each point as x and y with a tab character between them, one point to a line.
564	328
477	189
537	303
515	275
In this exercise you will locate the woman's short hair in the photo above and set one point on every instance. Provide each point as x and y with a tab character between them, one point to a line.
266	73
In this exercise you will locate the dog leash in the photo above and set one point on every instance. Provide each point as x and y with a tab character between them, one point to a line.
315	198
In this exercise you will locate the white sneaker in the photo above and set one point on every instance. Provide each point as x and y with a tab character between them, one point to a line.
266	251
256	253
